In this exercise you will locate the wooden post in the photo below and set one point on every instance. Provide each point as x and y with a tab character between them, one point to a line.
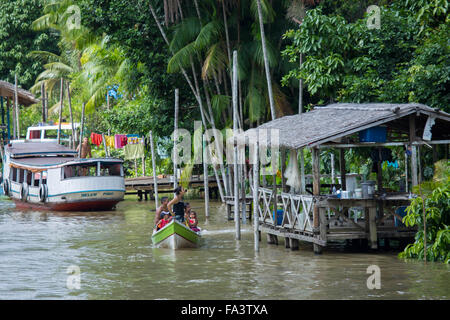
155	181
16	106
43	102
406	172
143	158
293	244
205	177
323	224
69	99
177	106
316	192
302	172
243	195
283	169
342	168
332	171
135	168
373	228
237	221
60	110
255	198
8	121
412	138
104	145
82	128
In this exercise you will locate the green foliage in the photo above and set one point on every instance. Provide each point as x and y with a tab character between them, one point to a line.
17	39
397	63
434	199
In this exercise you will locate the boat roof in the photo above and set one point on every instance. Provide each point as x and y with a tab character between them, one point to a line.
46	162
64	126
38	148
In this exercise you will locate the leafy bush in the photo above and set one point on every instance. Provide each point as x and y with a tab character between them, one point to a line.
434	199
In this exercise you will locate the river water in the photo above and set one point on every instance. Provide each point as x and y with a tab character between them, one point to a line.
116	260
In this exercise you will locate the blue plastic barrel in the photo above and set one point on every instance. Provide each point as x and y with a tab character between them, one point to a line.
375	134
278	217
401	211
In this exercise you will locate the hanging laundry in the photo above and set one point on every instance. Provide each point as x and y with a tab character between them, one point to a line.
110	141
120	140
96	138
133	151
133	138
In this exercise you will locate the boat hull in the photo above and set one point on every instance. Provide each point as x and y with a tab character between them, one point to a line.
88	205
176	236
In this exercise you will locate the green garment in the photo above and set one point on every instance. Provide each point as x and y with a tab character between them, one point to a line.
133	151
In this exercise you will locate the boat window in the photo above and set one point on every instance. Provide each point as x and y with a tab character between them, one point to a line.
37	177
28	176
44	177
110	169
80	170
20	175
51	133
35	134
13	174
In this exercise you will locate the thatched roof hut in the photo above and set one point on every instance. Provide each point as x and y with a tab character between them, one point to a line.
25	97
332	122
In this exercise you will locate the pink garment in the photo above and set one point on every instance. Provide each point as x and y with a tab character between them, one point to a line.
120	140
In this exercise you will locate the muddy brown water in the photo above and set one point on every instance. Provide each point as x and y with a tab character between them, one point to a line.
113	252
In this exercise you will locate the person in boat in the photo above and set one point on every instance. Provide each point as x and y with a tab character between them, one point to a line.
162	209
193	222
165	219
176	205
85	148
187	211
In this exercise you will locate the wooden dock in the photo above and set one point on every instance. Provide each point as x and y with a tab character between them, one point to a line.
143	186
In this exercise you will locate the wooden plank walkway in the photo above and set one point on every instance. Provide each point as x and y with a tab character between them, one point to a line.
143	186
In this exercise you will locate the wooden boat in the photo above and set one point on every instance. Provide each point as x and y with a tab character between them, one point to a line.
47	175
176	235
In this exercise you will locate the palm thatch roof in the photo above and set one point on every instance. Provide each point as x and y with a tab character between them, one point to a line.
25	97
334	121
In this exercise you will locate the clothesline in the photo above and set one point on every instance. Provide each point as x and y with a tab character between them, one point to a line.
132	144
117	141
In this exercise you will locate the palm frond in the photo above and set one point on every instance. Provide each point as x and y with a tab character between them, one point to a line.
181	58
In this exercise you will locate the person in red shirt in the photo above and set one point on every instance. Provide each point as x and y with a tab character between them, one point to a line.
165	219
193	222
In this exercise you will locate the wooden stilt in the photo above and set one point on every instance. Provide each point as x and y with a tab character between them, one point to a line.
205	177
373	228
43	102
342	168
60	110
237	221
73	139
16	107
143	159
82	128
294	244
412	138
316	192
287	243
155	181
177	106
257	236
